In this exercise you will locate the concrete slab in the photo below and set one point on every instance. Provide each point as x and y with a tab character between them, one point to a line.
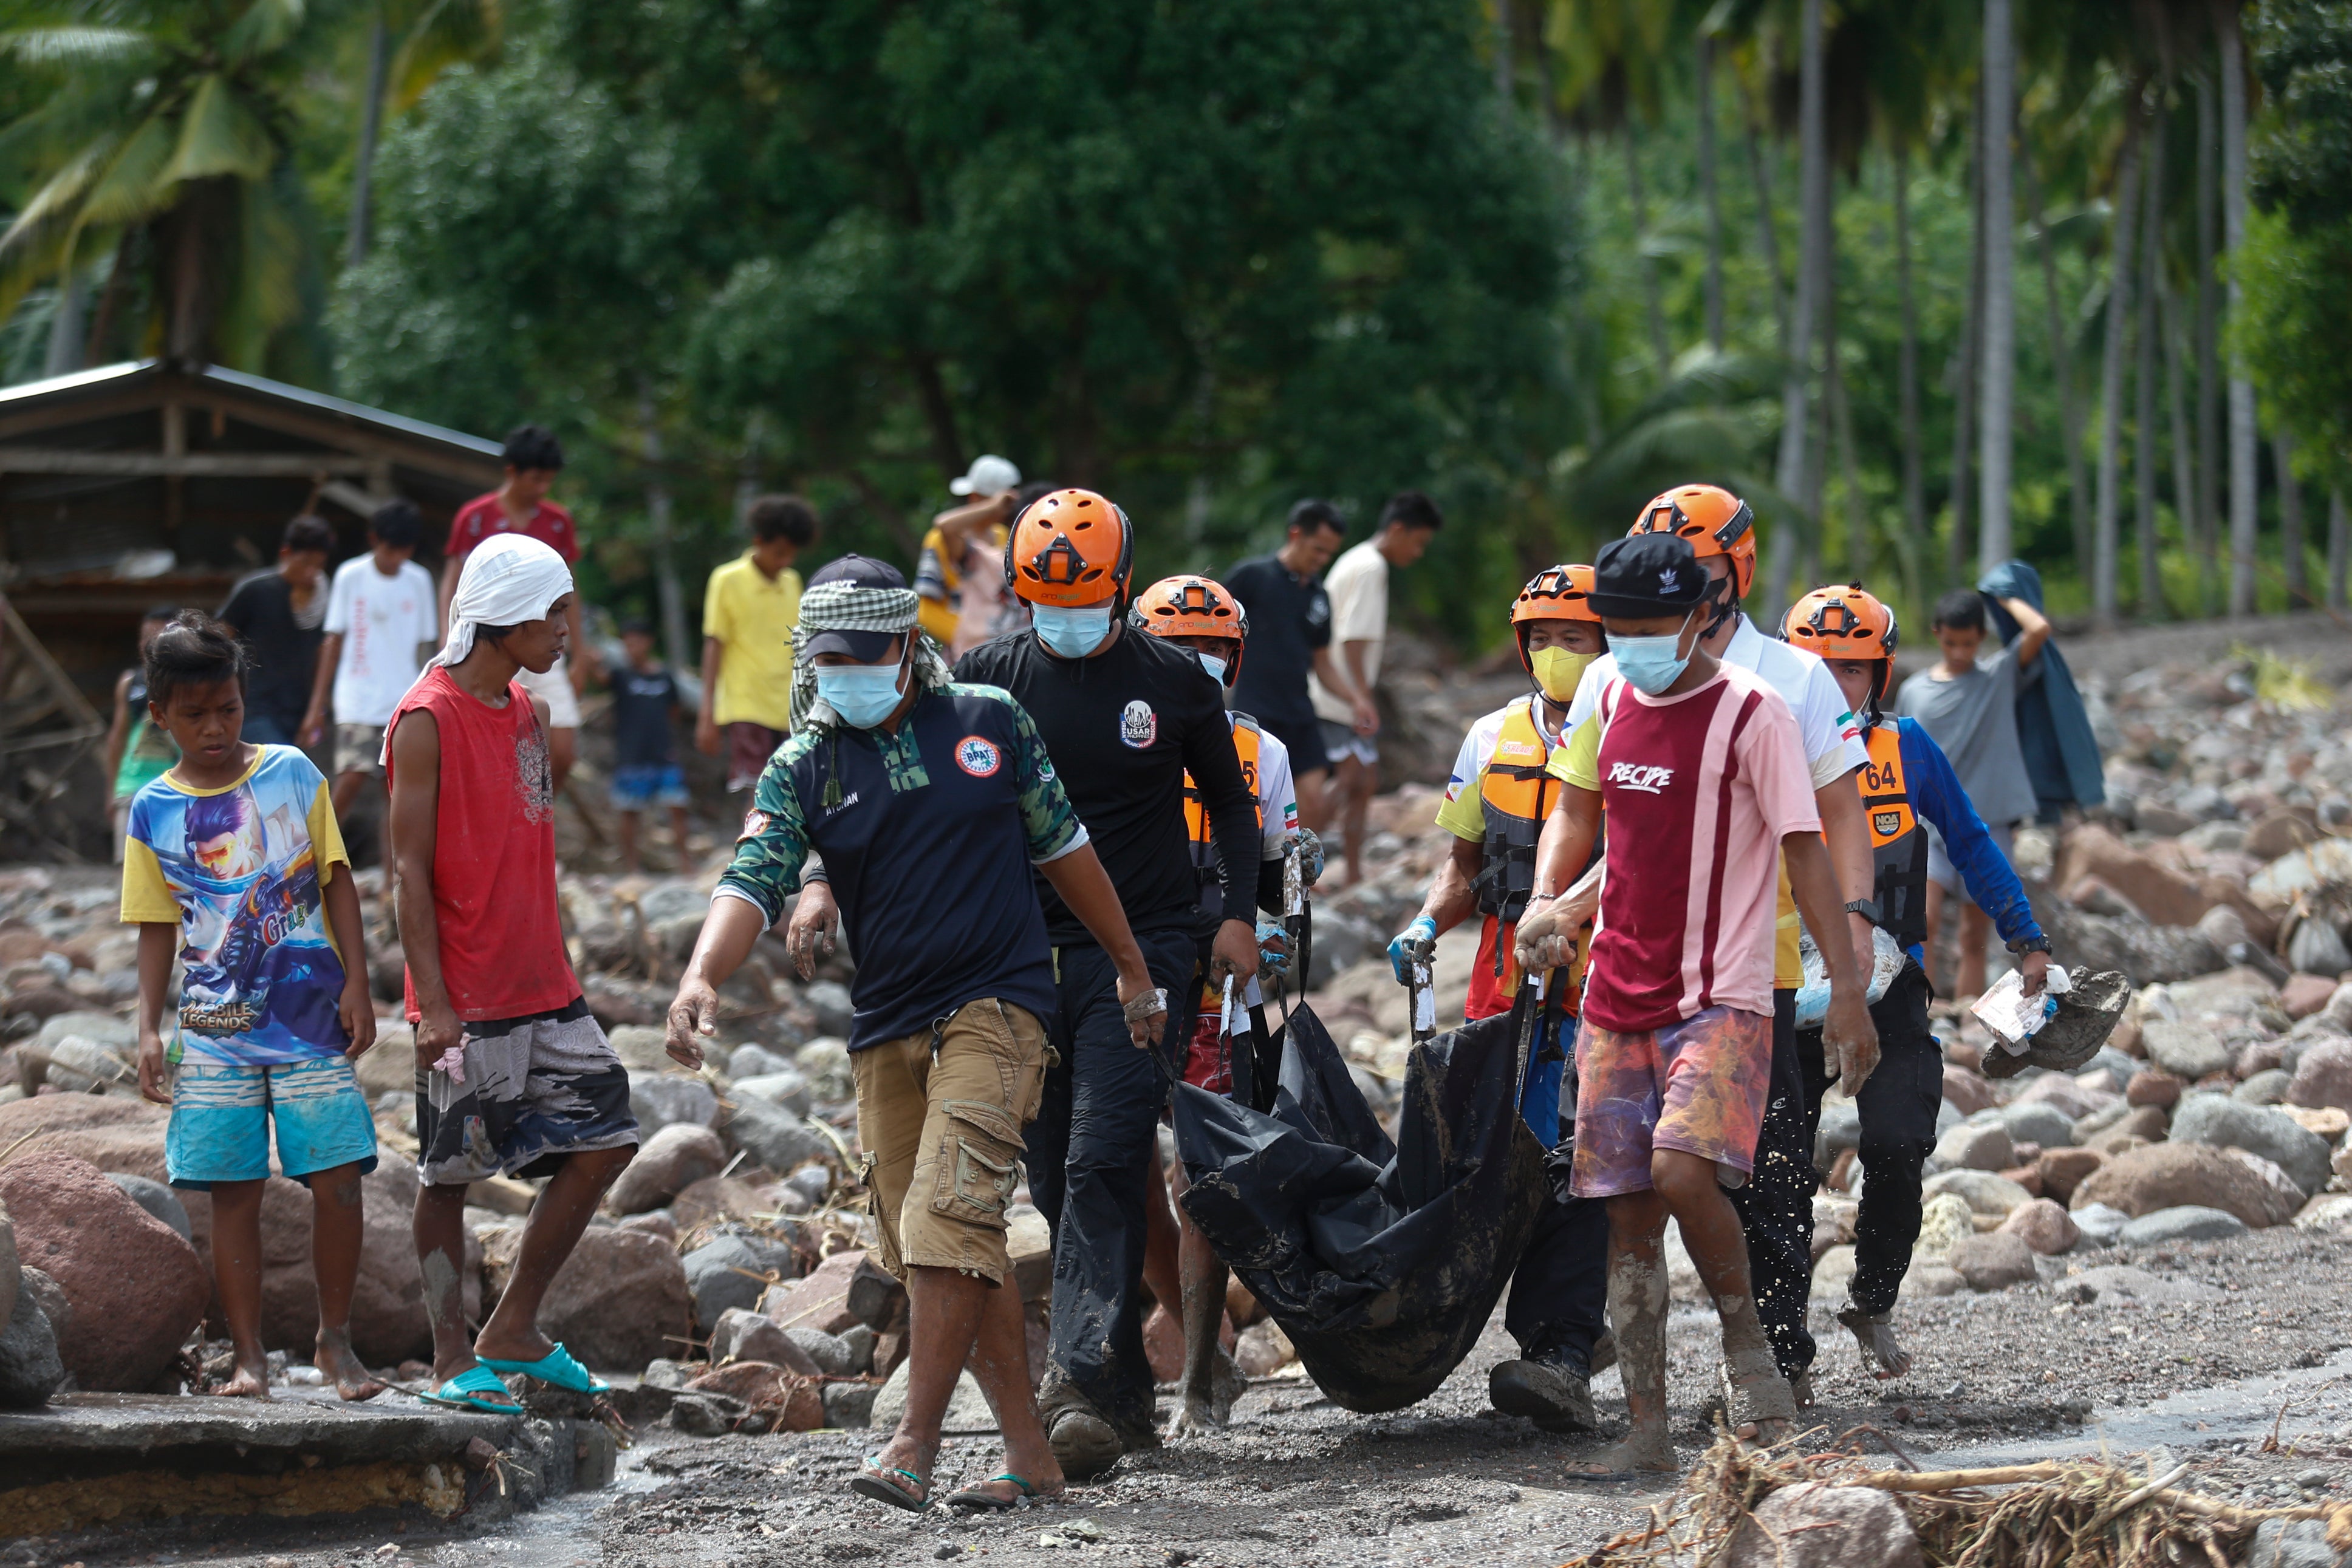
150	1427
98	1459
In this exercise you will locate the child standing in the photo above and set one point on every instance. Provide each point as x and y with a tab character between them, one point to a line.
137	749
381	622
232	858
645	767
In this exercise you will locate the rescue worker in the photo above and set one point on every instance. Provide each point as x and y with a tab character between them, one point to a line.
1907	781
1125	718
1197	612
1496	804
1776	1208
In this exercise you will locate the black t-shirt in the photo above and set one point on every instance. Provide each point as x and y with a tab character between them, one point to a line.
285	646
641	704
1289	620
1123	728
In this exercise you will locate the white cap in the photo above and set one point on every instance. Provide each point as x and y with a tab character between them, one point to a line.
990	475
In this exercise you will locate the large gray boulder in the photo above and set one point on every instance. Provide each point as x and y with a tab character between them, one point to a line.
661	1100
2227	1122
2185	1049
2188	1222
733	1271
2037	1121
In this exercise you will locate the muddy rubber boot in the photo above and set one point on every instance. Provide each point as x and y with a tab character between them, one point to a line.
1555	1396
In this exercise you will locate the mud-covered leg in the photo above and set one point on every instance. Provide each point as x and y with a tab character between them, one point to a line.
1761	1405
1637	1305
1211	1382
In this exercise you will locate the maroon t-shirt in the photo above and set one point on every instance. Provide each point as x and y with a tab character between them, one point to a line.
480	517
493	855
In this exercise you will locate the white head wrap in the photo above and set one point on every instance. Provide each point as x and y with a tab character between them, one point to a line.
509	578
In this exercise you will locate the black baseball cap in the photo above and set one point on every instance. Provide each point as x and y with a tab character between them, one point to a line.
1646	575
858	571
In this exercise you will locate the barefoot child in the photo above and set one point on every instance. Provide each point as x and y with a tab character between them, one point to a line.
514	1077
645	702
1700	765
230	858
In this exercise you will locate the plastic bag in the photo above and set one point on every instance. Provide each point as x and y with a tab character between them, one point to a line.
2015	1018
1887	961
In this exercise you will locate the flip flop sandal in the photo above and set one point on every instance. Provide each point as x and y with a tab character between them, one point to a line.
474	1388
1754	1392
975	1499
557	1368
871	1484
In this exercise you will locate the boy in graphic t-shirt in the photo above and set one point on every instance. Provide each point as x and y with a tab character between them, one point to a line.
231	857
1699	763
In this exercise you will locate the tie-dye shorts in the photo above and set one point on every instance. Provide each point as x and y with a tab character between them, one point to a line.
1698	1086
536	1088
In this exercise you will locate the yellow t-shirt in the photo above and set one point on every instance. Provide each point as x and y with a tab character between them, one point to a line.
752	614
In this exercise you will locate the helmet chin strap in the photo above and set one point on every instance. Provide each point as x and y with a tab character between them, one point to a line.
1730	607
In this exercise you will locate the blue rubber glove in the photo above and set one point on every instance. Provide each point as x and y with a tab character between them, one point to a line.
1273	947
1422	929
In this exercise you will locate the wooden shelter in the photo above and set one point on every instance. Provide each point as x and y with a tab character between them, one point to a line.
157	483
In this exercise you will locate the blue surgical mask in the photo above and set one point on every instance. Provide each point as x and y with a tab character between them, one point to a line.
1215	666
863	694
1652	663
1073	633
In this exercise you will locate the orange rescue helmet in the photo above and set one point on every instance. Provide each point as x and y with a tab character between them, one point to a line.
1556	593
1712	520
1849	623
1188	606
1070	547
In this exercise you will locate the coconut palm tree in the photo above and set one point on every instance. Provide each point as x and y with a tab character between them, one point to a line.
168	138
411	43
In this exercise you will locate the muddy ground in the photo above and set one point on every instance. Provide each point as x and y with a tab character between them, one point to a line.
2228	1340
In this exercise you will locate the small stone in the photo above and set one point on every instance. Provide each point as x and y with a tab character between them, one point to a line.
1968	1091
2227	1122
1815	1525
850	1404
2187	1050
742	1336
660	1100
1976	1145
2043	1226
1993	1262
2101	1223
2037	1121
2265	1088
829	1353
2144	1125
2188	1222
672	1159
2293	1543
1263	1350
1944	1221
2062	1170
1832	1271
2311	1480
2157	1088
2323	1074
156	1198
1985	1192
2305	994
2330	1122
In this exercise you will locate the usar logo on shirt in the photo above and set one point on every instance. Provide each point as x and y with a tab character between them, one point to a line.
1646	777
1138	727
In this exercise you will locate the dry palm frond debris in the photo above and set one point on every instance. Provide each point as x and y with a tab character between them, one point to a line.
2053	1515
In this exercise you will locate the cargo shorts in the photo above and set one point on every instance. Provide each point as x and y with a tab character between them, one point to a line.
942	1131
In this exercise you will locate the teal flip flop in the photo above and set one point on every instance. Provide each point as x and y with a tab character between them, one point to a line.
870	1483
475	1389
974	1498
557	1367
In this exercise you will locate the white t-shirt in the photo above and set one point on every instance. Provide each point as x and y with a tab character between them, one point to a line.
1358	587
1831	736
1277	811
384	623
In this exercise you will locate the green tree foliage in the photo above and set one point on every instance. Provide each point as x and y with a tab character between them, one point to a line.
167	130
2298	313
1207	258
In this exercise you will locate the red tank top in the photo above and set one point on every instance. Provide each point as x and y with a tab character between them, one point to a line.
494	856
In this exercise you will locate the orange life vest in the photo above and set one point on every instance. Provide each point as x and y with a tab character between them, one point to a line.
1898	847
1516	793
1196	810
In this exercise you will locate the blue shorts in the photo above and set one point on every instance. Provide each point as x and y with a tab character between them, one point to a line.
221	1114
644	784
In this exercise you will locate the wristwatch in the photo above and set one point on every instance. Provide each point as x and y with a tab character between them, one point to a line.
1866	908
2030	945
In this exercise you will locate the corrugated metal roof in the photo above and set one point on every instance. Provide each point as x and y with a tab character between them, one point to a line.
131	370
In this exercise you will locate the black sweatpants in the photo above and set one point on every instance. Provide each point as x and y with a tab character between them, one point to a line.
1899	1103
1090	1148
1776	1204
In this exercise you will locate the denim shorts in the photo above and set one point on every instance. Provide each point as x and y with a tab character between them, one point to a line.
221	1113
639	785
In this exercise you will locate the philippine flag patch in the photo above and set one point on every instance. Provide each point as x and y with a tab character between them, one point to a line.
977	757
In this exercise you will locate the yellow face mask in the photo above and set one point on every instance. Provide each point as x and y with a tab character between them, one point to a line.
1558	671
